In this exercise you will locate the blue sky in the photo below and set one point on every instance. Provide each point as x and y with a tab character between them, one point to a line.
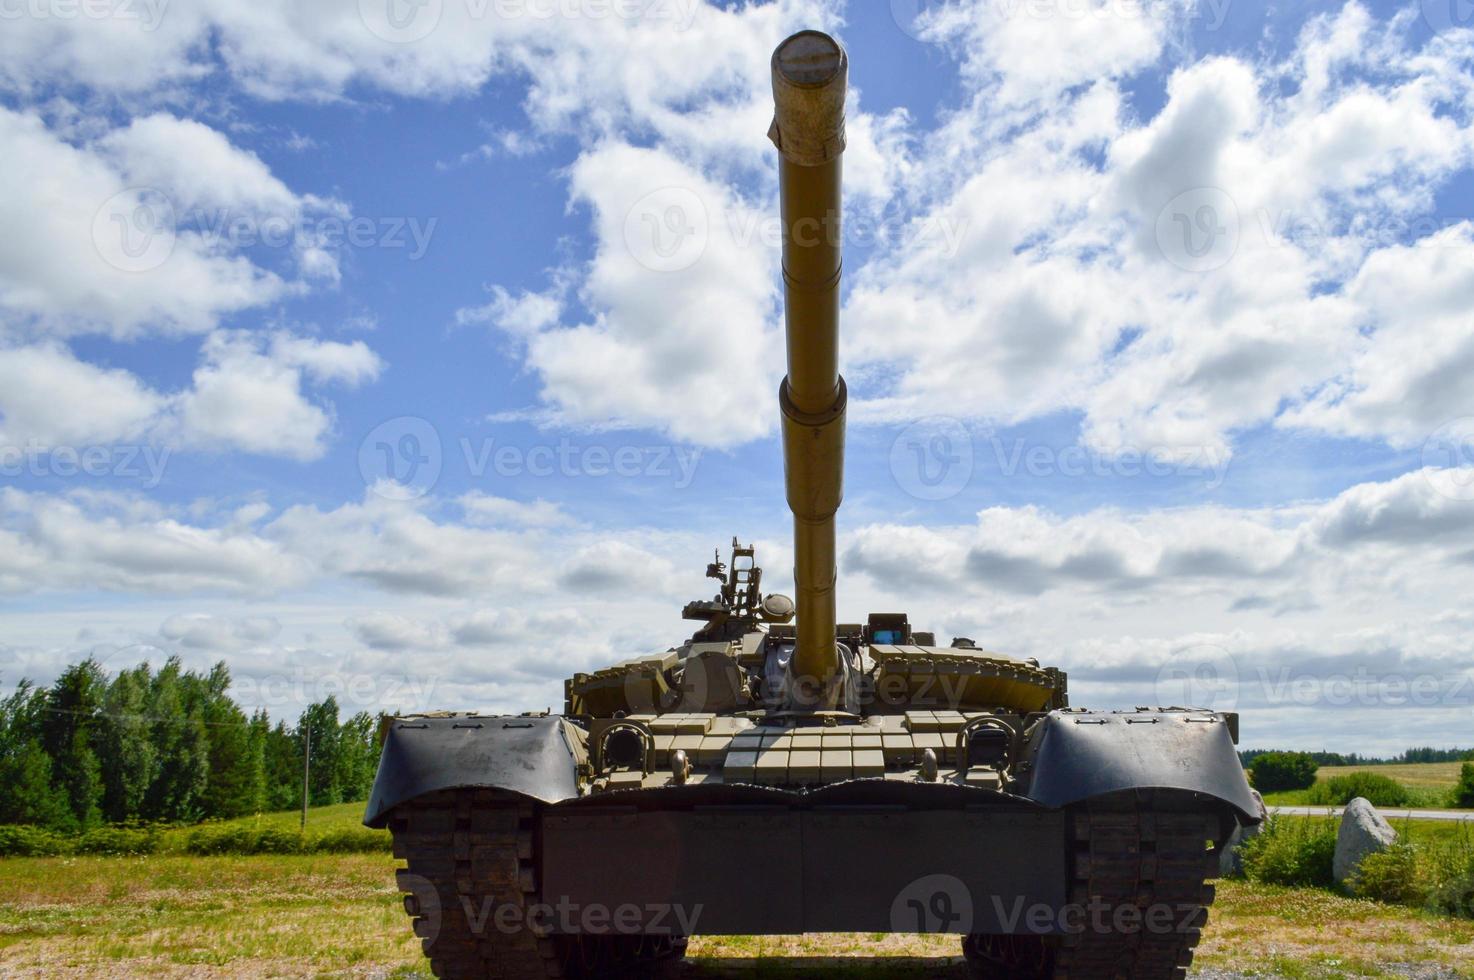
1076	434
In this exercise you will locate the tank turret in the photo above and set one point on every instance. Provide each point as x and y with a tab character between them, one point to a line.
810	72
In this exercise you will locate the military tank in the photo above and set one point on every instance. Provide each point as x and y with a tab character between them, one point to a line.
781	771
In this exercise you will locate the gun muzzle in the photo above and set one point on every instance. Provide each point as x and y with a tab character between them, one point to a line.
810	72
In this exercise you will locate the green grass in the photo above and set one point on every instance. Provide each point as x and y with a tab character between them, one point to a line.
319	820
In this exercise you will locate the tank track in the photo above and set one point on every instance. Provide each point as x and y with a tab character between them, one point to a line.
471	855
1134	853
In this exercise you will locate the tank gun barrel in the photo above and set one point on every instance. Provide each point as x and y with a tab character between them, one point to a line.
810	72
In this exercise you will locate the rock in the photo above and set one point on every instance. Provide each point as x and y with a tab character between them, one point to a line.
1230	860
1363	832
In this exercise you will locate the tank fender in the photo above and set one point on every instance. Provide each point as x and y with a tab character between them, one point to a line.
1077	755
536	757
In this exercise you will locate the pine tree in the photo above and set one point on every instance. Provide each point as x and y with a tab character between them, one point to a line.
283	754
235	765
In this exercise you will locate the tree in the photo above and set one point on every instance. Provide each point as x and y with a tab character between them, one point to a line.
29	795
124	748
235	783
68	735
282	752
1276	772
178	735
25	768
1464	791
320	720
358	756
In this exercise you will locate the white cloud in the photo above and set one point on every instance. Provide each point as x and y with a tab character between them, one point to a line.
219	634
80	543
387	631
483	509
248	394
685	328
118	407
1072	290
85	250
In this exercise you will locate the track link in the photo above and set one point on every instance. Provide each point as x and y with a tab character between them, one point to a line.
1139	895
470	883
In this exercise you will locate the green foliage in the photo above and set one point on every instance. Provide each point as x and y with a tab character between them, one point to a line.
1296	853
118	841
125	745
23	841
30	797
1276	772
166	746
1374	787
1463	795
351	840
1390	876
241	840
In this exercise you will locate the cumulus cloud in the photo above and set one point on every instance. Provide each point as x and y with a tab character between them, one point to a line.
89	250
250	393
1309	186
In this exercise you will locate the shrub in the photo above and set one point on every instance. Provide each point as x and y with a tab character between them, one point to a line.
1377	789
1454	892
1464	791
352	840
1293	853
23	841
273	840
1275	772
1390	876
208	840
119	841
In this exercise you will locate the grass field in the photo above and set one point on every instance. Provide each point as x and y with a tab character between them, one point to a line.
1430	782
174	915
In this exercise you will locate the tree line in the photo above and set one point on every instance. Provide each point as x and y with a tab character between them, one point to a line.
1422	754
167	745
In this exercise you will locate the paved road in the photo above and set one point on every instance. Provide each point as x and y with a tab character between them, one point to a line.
1466	816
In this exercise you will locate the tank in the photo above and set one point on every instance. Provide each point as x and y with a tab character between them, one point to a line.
781	771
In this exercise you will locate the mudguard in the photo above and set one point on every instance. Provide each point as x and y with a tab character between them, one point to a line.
534	757
1078	755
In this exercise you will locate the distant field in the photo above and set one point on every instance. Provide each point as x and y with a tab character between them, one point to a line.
1430	775
1430	782
339	916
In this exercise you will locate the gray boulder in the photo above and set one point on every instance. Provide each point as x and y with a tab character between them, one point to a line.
1363	832
1230	860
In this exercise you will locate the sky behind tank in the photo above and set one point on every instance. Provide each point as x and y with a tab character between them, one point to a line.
420	354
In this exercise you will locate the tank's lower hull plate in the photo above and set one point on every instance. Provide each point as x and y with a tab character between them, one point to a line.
502	888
